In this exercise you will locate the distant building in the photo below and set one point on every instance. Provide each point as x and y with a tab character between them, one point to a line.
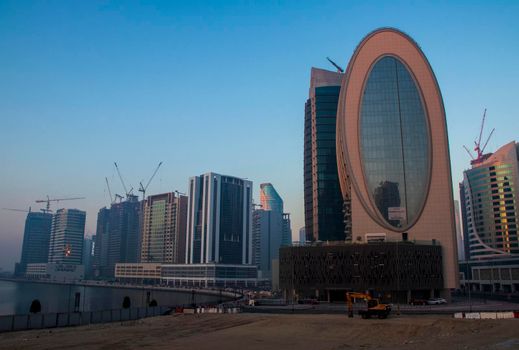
100	263
164	229
459	231
490	192
270	199
219	220
88	256
490	213
267	235
302	235
118	235
36	236
66	239
324	218
286	235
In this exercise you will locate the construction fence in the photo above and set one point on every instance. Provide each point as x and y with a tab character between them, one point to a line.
65	319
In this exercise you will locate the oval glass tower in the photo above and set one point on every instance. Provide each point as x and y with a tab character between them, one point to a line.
394	142
392	147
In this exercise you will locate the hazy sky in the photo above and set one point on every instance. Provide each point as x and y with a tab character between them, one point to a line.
212	86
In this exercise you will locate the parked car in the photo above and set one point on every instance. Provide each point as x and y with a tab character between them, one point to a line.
418	302
436	301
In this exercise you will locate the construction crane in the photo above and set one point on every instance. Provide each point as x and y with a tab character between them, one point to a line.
339	69
21	210
144	188
480	156
179	193
48	200
128	193
112	200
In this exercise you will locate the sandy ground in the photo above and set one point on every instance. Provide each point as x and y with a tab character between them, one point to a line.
258	331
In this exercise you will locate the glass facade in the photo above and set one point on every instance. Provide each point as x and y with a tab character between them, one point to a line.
491	210
67	237
327	202
36	236
270	199
394	142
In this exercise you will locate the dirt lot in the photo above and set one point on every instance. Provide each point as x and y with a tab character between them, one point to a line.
256	331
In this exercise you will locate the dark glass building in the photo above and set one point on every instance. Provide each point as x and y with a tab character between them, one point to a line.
36	236
324	219
219	220
118	236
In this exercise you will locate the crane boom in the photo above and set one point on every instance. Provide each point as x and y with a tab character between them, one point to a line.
48	200
488	139
144	188
152	176
121	178
339	69
109	191
21	210
481	129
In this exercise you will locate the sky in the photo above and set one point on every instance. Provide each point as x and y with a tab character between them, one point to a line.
213	86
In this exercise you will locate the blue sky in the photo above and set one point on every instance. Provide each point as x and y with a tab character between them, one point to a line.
212	86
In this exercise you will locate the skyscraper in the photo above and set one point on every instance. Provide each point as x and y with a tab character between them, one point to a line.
324	219
164	229
270	199
392	147
118	235
267	235
36	236
66	239
219	220
490	211
100	263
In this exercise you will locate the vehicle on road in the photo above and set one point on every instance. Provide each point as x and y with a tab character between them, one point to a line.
436	301
373	306
418	302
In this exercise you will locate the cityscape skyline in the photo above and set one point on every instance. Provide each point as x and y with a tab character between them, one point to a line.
59	86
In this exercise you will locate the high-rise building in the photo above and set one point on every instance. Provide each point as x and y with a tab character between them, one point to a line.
88	255
270	199
302	236
164	229
286	234
124	233
392	147
100	263
36	236
219	220
267	235
66	239
324	218
118	234
459	232
490	211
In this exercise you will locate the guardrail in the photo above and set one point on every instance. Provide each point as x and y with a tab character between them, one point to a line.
10	323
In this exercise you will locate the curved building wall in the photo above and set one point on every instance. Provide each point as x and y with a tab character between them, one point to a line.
392	146
490	190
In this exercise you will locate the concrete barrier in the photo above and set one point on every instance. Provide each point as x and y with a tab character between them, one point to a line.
6	323
505	315
35	321
20	322
472	315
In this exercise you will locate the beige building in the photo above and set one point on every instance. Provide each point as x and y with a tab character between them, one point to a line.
392	147
164	229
